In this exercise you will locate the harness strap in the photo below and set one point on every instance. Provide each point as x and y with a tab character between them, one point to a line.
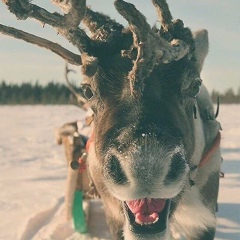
89	141
92	191
208	154
205	158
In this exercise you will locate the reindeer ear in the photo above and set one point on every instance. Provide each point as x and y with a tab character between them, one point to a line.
201	47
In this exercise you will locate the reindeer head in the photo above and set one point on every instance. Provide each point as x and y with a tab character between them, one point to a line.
142	85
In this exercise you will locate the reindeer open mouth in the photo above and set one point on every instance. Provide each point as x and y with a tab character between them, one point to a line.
147	215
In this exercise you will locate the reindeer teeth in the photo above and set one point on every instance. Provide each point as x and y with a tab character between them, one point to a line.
146	223
146	219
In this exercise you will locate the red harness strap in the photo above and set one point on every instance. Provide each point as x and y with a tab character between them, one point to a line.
83	158
89	141
82	164
208	154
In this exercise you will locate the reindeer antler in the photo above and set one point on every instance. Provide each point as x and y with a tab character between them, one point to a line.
80	99
164	14
105	30
100	25
109	38
152	49
54	47
67	25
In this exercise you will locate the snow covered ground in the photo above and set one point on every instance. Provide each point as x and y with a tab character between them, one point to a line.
33	173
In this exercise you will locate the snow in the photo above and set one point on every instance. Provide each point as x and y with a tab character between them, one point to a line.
33	173
229	195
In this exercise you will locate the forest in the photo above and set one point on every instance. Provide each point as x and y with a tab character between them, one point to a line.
56	93
27	93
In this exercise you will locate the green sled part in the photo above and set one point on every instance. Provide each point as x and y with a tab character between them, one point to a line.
78	213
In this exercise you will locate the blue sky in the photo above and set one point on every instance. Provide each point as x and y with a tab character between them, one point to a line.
20	61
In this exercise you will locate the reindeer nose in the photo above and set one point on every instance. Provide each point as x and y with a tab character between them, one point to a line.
115	171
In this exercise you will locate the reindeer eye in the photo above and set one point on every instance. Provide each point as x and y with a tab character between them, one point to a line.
88	92
195	87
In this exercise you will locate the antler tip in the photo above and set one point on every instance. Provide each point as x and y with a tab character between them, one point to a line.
119	4
117	1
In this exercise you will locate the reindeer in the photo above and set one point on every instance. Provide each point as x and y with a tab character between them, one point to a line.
155	155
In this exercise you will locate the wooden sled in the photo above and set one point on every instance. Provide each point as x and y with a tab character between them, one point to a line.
83	207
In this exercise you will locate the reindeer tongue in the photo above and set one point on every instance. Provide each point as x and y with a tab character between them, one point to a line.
146	210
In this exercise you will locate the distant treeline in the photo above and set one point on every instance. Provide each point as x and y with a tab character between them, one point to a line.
27	93
227	97
55	93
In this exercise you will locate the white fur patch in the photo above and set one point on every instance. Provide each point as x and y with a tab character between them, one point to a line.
191	215
129	235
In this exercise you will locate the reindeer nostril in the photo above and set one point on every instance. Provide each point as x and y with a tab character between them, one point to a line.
115	171
177	168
